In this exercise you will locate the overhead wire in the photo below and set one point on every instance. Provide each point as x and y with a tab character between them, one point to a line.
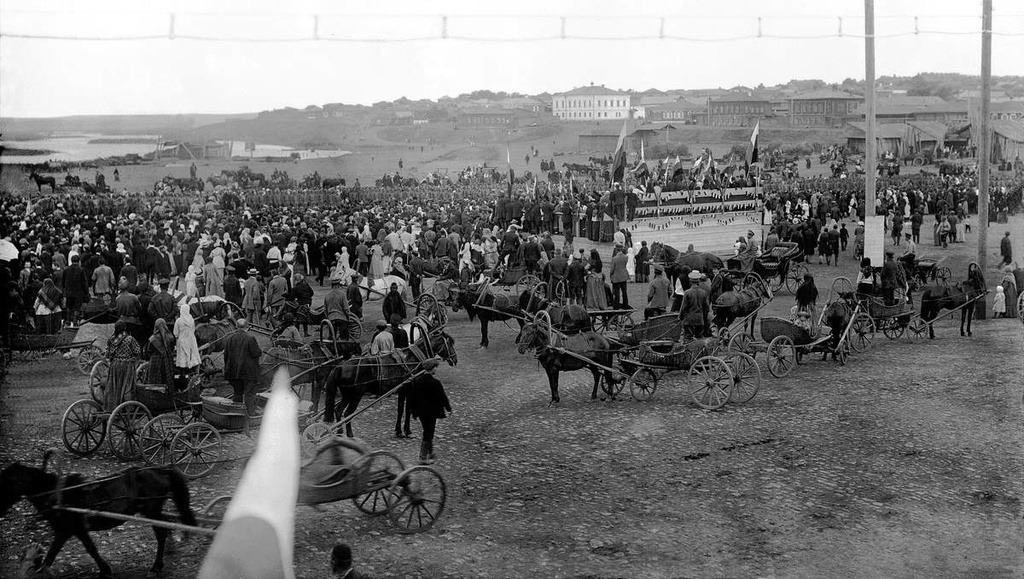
317	33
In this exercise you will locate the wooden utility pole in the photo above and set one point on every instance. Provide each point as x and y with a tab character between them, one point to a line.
869	111
985	134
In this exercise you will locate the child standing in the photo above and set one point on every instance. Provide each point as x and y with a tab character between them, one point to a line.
999	303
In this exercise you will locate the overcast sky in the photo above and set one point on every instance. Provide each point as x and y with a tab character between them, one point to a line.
65	77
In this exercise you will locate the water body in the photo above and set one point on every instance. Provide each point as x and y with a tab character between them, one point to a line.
75	148
78	148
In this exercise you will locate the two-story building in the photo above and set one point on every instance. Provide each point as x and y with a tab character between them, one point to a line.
492	117
823	108
682	112
738	110
591	103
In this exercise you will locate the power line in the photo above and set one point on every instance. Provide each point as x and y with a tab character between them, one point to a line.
316	34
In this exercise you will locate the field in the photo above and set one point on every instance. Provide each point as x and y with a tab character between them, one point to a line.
904	463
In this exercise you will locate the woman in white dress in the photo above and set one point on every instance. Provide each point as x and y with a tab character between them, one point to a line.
631	263
186	349
191	289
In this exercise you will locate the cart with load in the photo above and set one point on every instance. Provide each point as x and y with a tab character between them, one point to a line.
28	343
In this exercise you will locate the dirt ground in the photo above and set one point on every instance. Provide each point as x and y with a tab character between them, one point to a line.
904	463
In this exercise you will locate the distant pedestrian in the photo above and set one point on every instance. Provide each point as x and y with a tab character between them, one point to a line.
428	402
1006	249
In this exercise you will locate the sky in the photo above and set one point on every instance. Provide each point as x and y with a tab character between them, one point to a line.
484	49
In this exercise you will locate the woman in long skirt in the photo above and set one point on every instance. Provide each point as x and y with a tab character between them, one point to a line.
186	350
376	263
161	359
631	263
123	352
1011	291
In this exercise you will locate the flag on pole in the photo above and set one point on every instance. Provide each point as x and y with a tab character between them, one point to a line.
619	158
511	172
753	142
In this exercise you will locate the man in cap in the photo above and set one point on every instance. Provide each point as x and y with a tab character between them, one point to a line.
336	308
890	278
277	292
163	305
658	294
76	289
619	277
252	295
242	365
428	402
355	296
693	310
129	311
383	342
393	303
232	287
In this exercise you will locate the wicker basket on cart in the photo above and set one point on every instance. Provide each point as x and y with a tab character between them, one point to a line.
667	327
673	355
878	310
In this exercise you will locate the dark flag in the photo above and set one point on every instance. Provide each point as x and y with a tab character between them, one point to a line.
511	172
619	158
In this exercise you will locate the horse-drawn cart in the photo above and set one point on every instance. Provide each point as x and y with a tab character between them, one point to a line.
782	266
27	343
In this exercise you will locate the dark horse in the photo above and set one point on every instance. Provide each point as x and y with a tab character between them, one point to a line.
837	317
358	375
136	490
551	353
730	305
490	306
678	264
936	298
40	181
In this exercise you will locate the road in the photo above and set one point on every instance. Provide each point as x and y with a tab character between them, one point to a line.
905	462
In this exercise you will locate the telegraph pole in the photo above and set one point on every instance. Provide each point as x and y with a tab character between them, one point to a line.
869	113
985	146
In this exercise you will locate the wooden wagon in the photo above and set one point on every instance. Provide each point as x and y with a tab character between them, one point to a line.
785	343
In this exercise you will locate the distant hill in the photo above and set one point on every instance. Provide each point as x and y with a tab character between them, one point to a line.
112	124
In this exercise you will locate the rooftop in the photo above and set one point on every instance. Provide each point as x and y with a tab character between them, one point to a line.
593	90
827	94
858	130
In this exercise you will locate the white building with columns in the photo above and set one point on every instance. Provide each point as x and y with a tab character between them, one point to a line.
590	103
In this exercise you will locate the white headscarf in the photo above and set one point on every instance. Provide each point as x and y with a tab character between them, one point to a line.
185	315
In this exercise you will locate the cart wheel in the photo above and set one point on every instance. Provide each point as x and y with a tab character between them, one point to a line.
643	383
313	435
526	283
621	322
943	274
746	377
917	328
561	291
1020	313
776	283
713	382
83	427
795	276
230	311
781	356
416	499
124	429
87	357
892	329
156	439
740	343
863	332
381	468
98	380
354	329
195	449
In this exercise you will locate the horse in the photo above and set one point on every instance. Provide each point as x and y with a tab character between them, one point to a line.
490	307
40	181
310	364
551	353
729	305
381	286
836	316
673	261
356	376
935	298
135	490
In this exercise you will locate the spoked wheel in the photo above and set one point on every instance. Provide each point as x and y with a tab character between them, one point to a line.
892	329
842	287
781	356
313	435
526	283
746	377
230	311
327	334
612	388
740	343
943	275
382	468
776	283
156	439
712	382
427	306
195	449
753	280
87	358
795	276
416	499
621	322
917	328
124	429
643	383
98	380
1020	306
842	353
354	329
863	332
83	427
561	291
